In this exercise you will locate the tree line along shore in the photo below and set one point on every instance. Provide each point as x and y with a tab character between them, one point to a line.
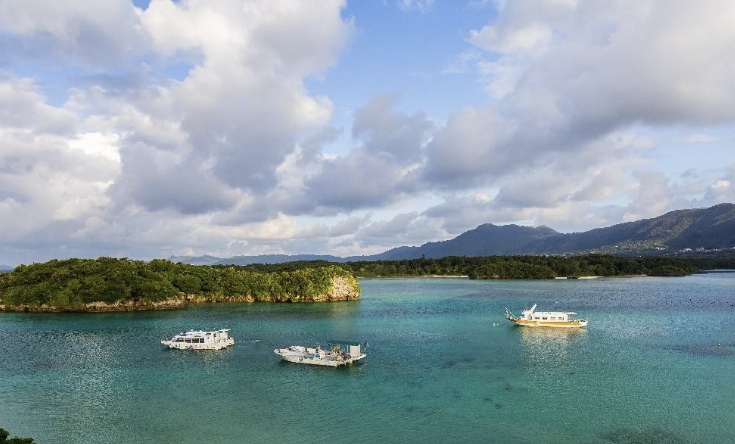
541	267
111	284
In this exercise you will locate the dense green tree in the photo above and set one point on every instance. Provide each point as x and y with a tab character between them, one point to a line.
5	440
72	284
536	267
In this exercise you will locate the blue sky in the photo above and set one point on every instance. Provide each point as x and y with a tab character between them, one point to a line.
230	127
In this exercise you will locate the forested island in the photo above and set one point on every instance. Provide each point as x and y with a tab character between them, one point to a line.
110	284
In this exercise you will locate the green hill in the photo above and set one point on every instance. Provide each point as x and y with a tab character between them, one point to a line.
109	284
683	230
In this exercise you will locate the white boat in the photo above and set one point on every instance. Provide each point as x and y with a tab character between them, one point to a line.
532	318
333	357
200	340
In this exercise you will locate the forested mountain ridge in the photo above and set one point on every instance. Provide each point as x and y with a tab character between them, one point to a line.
485	240
709	228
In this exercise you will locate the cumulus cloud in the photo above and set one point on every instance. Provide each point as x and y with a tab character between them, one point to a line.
100	35
610	64
156	179
569	77
722	190
472	144
23	108
381	167
243	104
199	142
194	126
46	178
510	40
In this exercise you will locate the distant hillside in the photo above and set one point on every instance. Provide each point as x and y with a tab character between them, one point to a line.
682	230
195	260
485	240
697	229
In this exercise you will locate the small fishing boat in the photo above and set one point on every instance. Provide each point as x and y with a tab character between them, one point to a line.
200	340
532	318
332	357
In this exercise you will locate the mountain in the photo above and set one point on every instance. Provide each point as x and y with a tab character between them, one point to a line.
485	240
708	228
196	260
703	229
696	229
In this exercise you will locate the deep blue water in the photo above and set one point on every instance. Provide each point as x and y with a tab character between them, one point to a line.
655	365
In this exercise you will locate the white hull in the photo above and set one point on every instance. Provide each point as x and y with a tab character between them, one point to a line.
180	346
200	340
555	324
316	356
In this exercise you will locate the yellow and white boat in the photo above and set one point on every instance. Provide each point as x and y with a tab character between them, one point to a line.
533	318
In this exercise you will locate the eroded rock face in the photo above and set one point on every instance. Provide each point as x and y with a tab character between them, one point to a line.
344	289
167	304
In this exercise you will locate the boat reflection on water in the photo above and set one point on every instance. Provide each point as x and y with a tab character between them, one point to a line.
551	345
551	359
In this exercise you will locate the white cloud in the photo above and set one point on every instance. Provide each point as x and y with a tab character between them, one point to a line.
700	138
472	144
635	64
200	126
722	190
97	144
49	183
102	34
23	108
383	164
511	40
423	6
243	104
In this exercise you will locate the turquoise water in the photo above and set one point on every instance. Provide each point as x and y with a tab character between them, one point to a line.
655	365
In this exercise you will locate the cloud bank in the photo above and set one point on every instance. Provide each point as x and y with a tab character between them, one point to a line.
190	127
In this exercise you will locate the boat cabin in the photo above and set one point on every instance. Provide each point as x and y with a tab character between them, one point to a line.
550	316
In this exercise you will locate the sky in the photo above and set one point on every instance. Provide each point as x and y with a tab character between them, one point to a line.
151	129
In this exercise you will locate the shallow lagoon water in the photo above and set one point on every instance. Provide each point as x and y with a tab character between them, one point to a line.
655	365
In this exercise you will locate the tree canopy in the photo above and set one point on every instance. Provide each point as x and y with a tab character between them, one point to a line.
108	283
73	284
5	440
538	267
